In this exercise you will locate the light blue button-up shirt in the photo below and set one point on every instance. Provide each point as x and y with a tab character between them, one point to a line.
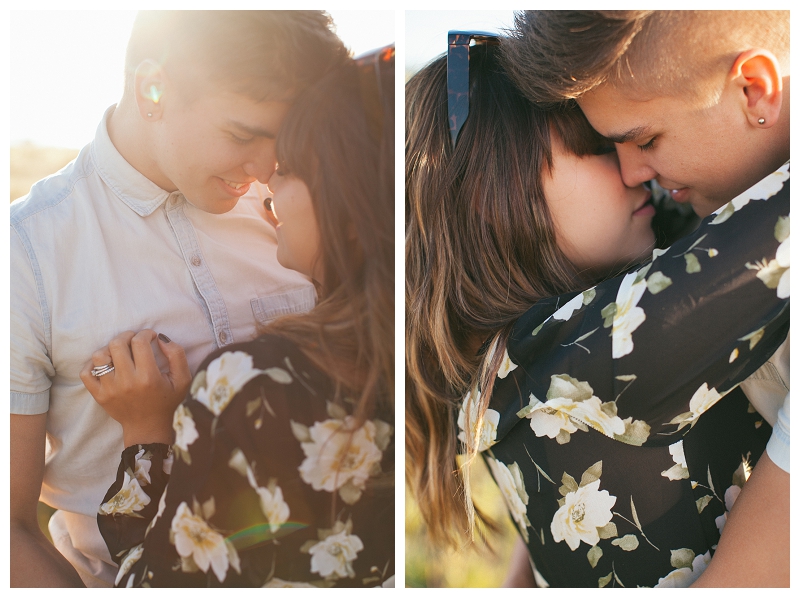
98	249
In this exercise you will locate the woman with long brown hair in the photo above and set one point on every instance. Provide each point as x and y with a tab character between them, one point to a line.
582	392
277	469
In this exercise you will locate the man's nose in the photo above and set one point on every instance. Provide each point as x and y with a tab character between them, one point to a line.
261	163
632	165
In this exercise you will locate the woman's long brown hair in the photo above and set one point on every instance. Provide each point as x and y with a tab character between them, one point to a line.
480	251
343	150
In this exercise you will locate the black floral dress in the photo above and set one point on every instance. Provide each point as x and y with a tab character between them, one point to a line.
620	452
270	483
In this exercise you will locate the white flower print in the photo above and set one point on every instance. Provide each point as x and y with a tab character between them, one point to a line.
628	316
584	510
273	506
731	494
686	576
134	554
565	312
488	427
338	453
332	557
679	471
194	539
702	400
764	189
547	421
570	407
506	366
130	498
185	430
512	487
142	470
224	377
775	274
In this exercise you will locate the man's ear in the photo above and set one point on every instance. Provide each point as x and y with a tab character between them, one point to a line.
757	73
149	83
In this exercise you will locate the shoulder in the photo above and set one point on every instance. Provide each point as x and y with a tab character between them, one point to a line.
54	190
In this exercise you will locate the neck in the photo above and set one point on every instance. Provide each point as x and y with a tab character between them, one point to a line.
132	136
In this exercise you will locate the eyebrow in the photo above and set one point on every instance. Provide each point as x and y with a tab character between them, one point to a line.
629	135
254	131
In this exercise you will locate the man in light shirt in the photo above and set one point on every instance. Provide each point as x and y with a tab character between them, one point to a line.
159	223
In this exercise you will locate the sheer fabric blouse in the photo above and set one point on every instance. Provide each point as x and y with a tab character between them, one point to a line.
270	482
616	431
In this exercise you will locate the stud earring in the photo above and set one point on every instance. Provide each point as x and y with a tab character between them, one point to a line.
761	121
150	114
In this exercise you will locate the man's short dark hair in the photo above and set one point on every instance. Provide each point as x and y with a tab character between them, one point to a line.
557	55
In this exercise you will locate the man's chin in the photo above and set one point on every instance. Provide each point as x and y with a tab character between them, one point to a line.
215	206
704	206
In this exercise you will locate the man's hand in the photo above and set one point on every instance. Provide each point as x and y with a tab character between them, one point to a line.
136	393
34	561
753	551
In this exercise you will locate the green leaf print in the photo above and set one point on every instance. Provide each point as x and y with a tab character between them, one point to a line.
692	263
594	555
658	282
682	557
628	542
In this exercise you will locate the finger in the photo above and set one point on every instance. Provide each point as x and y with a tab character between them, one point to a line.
119	348
91	383
144	360
179	373
101	357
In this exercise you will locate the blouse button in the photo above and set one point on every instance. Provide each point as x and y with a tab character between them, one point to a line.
223	337
196	260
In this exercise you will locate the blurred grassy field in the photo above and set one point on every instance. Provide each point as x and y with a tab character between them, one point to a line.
428	567
29	163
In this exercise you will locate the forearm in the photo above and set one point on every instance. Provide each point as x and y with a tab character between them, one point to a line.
520	574
36	563
754	548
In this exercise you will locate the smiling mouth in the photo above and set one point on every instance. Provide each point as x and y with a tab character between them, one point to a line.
234	185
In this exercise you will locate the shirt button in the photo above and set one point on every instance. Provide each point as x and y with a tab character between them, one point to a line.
196	260
223	337
174	199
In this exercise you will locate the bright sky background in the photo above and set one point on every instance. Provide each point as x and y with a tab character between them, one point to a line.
426	30
67	67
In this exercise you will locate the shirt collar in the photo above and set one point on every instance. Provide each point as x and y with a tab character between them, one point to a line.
138	192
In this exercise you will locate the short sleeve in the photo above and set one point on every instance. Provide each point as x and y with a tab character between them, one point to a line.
778	445
31	368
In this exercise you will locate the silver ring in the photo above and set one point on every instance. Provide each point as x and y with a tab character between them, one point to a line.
102	370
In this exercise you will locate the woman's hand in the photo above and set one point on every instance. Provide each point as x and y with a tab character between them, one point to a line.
136	393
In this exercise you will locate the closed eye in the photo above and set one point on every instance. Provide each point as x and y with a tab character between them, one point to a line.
647	146
240	140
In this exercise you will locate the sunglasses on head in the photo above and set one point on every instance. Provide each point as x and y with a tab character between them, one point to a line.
373	68
458	44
